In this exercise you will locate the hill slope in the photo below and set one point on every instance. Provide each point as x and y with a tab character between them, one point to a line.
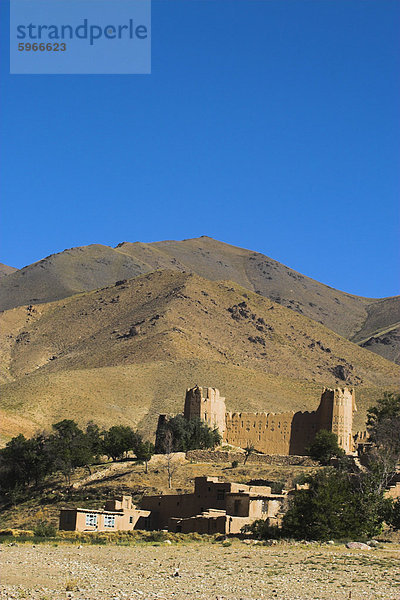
127	352
385	342
6	270
90	267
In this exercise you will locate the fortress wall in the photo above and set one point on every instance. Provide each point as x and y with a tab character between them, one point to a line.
270	433
292	433
192	403
267	432
304	427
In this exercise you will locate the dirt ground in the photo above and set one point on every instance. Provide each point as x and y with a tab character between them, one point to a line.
199	570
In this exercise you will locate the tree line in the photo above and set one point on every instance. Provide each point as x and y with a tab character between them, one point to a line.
25	462
30	461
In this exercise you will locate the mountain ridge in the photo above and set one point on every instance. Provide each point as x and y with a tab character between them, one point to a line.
86	268
6	270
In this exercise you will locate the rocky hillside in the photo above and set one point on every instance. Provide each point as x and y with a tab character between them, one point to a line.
126	352
6	270
90	267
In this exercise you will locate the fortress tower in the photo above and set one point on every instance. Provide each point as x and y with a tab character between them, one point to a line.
207	405
336	414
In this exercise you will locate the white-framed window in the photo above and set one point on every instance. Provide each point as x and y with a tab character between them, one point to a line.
91	520
109	521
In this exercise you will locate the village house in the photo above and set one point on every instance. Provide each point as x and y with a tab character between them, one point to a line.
214	507
119	514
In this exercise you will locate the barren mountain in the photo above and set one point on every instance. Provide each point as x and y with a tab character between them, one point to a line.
90	267
127	352
384	342
6	270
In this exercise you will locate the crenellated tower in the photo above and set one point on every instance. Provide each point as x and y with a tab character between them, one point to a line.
206	404
336	414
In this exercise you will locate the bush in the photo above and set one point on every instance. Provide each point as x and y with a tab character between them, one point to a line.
157	536
324	447
276	486
235	464
186	435
262	531
45	529
335	505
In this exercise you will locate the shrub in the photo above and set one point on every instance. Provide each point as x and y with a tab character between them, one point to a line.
324	447
235	464
157	536
45	529
262	531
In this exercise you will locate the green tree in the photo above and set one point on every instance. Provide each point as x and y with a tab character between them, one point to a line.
71	448
41	458
119	440
394	515
95	440
187	435
335	505
144	451
24	461
15	462
383	425
324	447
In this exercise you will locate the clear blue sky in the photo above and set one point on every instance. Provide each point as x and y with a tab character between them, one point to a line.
272	125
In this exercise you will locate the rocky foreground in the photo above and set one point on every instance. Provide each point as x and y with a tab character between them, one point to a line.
201	571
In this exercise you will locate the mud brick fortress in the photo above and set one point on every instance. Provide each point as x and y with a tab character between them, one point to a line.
270	433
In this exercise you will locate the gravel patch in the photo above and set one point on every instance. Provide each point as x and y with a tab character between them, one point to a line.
201	571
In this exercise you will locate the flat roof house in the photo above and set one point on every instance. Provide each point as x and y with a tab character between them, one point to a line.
119	514
214	507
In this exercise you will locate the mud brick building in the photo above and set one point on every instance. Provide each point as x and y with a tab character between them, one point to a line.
275	433
119	514
214	507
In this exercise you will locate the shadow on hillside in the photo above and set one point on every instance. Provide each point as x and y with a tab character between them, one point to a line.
113	477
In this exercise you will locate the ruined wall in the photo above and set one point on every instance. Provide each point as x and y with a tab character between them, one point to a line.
292	433
206	404
267	432
270	433
219	456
